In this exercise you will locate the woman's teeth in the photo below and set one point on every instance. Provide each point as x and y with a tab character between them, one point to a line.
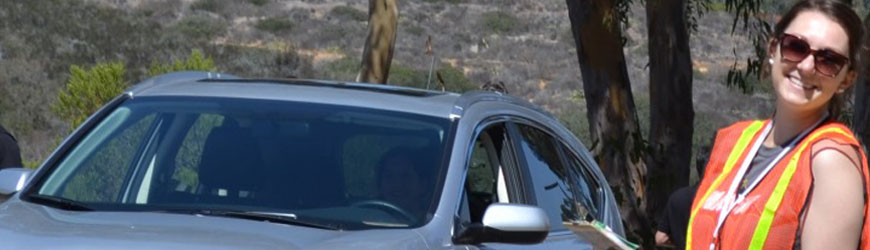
798	83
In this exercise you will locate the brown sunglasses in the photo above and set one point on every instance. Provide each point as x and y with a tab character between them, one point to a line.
794	49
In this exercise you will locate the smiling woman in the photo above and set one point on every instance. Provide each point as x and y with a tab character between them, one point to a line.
799	170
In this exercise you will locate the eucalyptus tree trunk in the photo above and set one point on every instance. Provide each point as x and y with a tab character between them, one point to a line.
617	143
378	51
670	94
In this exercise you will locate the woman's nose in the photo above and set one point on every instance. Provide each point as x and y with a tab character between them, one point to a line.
808	64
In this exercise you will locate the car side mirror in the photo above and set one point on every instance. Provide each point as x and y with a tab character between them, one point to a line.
508	223
13	180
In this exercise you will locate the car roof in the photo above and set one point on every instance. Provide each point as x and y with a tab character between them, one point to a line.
376	96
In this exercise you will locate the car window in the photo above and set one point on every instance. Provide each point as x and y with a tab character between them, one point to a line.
485	182
587	189
350	166
101	174
549	176
189	154
361	155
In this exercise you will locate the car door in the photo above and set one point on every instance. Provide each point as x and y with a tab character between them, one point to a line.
550	184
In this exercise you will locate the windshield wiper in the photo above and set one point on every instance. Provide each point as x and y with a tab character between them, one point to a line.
284	218
59	202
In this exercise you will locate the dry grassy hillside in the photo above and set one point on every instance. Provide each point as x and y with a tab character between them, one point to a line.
526	44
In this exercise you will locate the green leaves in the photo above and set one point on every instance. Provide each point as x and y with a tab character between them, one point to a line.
500	22
88	89
275	25
196	62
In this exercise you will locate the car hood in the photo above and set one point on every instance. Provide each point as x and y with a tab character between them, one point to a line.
26	225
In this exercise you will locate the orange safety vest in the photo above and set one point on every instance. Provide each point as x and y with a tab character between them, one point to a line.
769	215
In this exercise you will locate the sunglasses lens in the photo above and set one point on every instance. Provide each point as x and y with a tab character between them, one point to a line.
794	49
829	62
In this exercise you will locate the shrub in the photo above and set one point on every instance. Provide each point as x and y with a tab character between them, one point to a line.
344	69
207	5
88	90
447	1
454	79
574	118
347	12
500	22
196	61
274	25
259	2
415	30
200	27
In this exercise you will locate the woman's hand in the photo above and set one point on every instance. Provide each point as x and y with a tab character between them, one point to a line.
662	239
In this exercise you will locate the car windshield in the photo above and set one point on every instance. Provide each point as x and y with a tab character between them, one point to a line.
346	167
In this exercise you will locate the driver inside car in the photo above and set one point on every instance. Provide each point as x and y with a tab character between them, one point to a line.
400	181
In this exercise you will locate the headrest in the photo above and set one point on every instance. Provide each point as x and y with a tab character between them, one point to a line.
230	159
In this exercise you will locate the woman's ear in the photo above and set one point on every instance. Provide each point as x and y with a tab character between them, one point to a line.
848	81
771	48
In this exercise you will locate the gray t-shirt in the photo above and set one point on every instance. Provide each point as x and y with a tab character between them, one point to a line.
762	159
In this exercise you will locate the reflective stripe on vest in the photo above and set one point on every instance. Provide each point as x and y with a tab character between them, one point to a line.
741	145
775	199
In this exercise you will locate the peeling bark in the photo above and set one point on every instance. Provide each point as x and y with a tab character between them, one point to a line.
381	40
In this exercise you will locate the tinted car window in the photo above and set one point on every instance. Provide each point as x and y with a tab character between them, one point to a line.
351	167
550	178
110	162
587	189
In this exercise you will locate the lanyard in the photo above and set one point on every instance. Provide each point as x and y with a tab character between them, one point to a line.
732	195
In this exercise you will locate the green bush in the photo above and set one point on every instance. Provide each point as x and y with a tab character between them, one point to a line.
454	79
207	5
196	61
717	6
575	118
401	75
259	2
500	22
344	69
351	13
200	27
88	90
347	68
415	30
274	25
447	1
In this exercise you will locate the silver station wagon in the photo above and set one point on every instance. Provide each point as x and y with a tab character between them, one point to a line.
196	160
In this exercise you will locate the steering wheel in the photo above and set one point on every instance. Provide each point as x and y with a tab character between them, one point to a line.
390	208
